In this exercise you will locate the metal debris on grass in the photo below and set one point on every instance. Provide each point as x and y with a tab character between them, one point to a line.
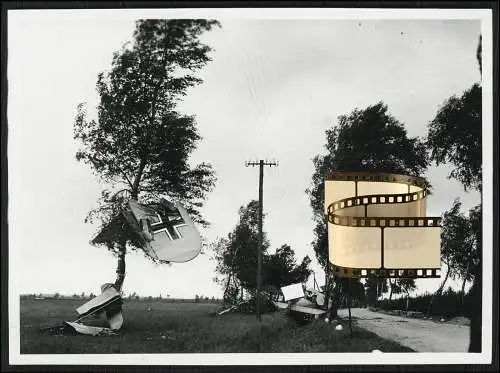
90	330
108	302
164	230
301	303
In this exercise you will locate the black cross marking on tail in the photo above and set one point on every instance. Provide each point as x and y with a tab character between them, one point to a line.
168	223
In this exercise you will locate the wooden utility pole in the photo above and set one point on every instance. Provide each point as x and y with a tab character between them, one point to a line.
261	165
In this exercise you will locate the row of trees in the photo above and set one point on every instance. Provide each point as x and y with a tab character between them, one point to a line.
372	139
57	296
450	304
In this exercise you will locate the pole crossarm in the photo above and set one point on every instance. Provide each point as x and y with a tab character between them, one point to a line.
264	163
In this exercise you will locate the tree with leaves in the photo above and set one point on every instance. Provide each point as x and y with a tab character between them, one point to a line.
236	254
368	139
456	248
406	285
401	285
236	257
139	143
281	269
455	137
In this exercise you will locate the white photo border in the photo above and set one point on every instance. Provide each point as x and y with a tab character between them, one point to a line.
485	357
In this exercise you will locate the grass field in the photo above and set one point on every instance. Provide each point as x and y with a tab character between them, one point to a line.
189	328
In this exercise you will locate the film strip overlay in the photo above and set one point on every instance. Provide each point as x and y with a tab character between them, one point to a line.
385	273
377	226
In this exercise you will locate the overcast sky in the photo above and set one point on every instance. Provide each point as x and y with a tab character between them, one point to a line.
271	91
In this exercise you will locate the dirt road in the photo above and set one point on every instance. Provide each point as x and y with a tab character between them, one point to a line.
418	334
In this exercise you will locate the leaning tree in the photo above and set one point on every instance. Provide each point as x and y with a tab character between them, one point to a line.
364	140
139	143
458	248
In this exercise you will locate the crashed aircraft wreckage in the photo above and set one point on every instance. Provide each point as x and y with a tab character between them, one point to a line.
295	299
108	303
165	232
310	303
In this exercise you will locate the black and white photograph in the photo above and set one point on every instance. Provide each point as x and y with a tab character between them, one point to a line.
261	186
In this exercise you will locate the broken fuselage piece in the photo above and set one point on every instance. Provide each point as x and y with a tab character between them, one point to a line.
109	302
301	303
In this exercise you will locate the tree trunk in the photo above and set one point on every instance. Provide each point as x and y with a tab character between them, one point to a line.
349	305
476	316
390	291
462	291
463	284
224	296
438	291
120	270
462	296
332	311
335	299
